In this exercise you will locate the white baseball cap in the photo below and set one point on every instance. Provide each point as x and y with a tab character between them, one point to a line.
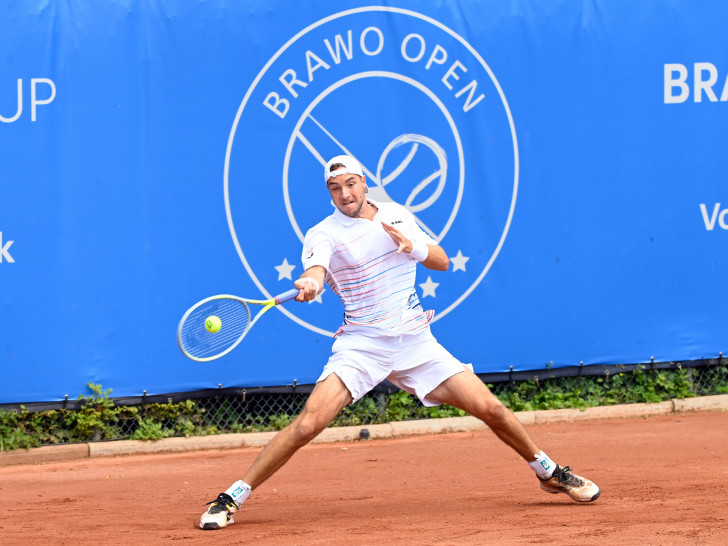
351	166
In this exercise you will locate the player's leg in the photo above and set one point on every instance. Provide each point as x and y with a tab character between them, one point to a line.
466	391
328	398
427	369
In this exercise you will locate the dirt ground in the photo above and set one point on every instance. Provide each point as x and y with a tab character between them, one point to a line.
662	480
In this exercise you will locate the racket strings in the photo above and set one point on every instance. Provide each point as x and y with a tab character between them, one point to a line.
196	340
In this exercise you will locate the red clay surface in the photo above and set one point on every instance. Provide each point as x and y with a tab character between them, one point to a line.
662	480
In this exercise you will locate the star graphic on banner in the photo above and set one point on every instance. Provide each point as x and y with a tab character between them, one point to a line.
428	287
318	297
284	270
459	261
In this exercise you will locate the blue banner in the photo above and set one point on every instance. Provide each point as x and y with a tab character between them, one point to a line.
569	156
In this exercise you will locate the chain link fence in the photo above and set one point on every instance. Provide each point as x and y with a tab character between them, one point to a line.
248	410
98	417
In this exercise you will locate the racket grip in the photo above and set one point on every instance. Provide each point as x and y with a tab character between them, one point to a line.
286	296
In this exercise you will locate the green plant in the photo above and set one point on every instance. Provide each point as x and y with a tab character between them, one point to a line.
13	434
99	417
367	410
97	413
150	429
400	406
280	421
184	417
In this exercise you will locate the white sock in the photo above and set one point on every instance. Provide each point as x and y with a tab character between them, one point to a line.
239	491
543	465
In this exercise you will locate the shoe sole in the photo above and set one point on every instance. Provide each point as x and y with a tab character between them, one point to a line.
212	526
557	491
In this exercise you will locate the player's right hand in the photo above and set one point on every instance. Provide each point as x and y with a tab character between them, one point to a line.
309	288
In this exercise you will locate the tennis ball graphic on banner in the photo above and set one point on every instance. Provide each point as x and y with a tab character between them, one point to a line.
415	149
213	324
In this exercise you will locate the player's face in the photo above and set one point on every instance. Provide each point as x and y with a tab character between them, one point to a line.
347	191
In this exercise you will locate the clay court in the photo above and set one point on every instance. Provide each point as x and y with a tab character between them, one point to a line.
662	481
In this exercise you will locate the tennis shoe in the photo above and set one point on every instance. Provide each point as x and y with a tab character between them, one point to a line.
563	481
220	513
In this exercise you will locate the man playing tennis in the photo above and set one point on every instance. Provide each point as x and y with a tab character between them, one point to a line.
367	253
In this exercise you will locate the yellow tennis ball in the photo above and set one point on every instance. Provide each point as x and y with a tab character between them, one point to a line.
213	324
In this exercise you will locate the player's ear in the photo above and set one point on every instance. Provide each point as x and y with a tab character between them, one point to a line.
364	179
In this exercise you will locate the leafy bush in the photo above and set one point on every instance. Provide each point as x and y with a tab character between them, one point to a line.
13	432
99	418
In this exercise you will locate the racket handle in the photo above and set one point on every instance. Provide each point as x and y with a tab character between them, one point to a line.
286	296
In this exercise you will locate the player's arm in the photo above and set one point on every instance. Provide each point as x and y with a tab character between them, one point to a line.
436	258
431	256
310	283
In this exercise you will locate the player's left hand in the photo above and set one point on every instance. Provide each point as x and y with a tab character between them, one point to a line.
402	242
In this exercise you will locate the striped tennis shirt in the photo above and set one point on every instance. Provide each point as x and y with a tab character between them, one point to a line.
375	284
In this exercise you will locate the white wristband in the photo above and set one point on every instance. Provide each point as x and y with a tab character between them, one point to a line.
314	281
419	251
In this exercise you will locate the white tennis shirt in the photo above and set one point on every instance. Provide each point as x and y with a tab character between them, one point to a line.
375	284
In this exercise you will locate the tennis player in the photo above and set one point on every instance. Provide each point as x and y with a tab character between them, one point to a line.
367	253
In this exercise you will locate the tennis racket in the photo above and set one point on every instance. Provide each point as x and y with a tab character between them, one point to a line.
224	334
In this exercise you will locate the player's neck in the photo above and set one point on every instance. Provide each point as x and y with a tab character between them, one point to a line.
368	210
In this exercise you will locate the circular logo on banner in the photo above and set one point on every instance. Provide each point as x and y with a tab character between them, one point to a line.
423	113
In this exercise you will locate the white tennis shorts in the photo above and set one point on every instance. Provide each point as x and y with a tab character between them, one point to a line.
416	363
